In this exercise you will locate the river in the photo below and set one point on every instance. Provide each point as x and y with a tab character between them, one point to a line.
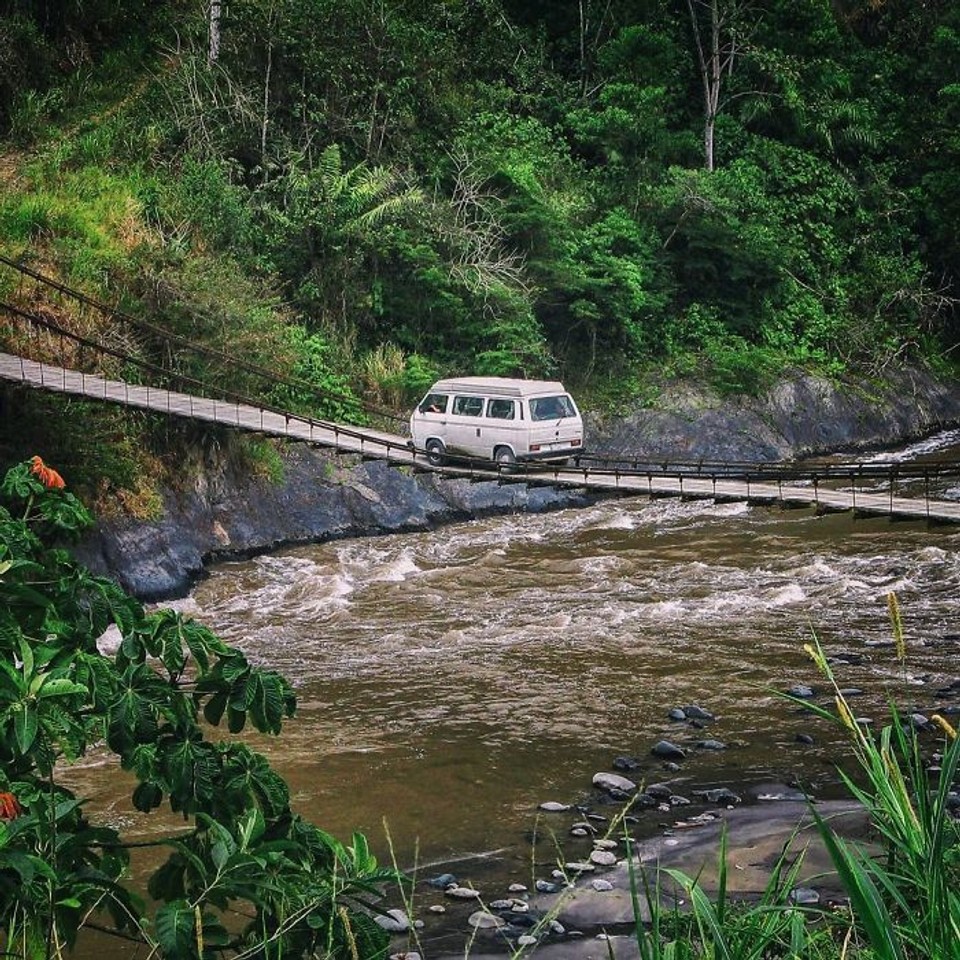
449	681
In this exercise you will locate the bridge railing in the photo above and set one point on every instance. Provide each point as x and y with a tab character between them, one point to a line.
148	341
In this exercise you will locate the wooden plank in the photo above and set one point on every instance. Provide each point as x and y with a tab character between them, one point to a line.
374	444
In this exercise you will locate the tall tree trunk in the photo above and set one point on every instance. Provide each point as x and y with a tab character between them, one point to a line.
714	55
213	52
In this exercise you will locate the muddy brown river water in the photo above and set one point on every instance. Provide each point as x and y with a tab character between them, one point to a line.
449	681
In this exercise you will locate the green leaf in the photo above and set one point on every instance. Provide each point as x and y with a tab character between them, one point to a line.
175	930
25	726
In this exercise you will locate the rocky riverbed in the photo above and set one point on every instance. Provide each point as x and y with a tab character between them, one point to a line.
574	901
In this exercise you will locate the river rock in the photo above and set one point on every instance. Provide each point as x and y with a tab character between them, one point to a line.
613	781
677	715
804	896
801	691
552	806
437	908
600	885
579	866
694	712
526	941
721	795
625	763
443	881
805	739
667	750
462	893
545	886
500	904
516	888
603	858
605	844
711	745
484	920
406	955
658	790
393	921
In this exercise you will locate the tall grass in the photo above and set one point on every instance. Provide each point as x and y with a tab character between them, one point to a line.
903	905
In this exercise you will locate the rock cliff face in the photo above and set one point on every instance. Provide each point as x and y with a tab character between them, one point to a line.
325	497
799	416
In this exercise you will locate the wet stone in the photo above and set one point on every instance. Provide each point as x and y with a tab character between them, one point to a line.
613	781
437	908
667	750
526	940
659	790
804	896
462	893
805	739
545	886
516	888
711	745
579	832
625	764
580	866
644	800
583	825
605	844
801	691
851	692
500	904
919	721
601	886
484	920
551	806
603	858
721	795
677	714
443	881
694	712
394	921
677	801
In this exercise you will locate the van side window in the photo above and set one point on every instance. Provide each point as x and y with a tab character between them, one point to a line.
500	409
468	406
434	403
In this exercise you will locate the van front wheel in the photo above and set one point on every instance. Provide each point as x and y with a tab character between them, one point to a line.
505	458
436	453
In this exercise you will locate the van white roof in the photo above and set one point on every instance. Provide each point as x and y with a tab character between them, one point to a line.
498	386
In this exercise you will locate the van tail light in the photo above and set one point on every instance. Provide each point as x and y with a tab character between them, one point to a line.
534	447
575	443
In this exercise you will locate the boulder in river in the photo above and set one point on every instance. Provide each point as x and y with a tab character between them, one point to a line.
613	781
667	750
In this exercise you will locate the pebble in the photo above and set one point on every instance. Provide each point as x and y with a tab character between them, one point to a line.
557	927
579	832
545	886
613	781
601	886
516	888
677	714
500	904
443	881
551	806
718	795
462	893
659	790
667	750
603	858
484	920
694	712
804	896
625	763
605	844
805	739
580	866
801	691
409	955
519	906
526	941
394	921
711	745
677	801
437	908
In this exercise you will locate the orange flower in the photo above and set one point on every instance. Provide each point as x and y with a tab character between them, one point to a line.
10	807
48	476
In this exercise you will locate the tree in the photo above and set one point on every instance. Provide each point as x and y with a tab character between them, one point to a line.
242	850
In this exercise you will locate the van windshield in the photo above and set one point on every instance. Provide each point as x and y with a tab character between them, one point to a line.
552	408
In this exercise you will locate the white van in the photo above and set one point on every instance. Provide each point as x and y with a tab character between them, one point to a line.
495	418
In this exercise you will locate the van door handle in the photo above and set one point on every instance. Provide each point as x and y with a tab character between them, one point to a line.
478	431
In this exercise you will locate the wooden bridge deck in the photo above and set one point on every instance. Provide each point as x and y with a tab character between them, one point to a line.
394	449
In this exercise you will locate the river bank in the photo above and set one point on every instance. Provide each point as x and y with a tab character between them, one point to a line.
226	514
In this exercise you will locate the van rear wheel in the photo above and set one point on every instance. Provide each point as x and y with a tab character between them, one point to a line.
505	458
436	452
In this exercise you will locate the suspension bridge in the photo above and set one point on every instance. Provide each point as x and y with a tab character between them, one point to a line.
117	364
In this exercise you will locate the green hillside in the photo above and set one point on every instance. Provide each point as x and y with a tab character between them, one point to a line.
367	193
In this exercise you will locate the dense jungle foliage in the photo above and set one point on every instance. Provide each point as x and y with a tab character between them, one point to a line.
366	193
